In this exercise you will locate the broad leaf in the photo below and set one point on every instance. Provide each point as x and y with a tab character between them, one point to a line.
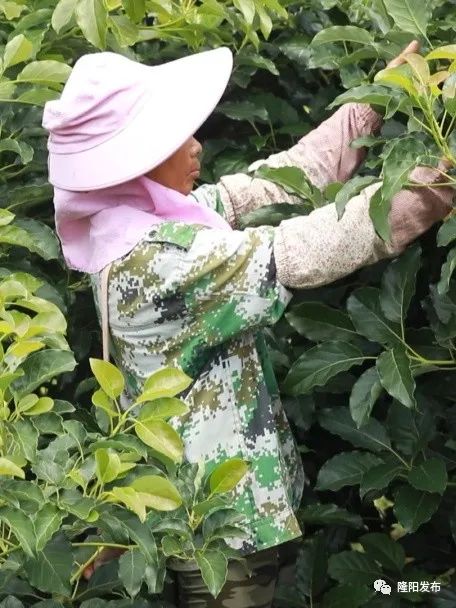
395	372
343	33
329	514
351	189
40	367
162	494
338	421
163	408
414	507
45	72
317	321
447	232
429	476
17	50
367	316
213	566
10	469
108	376
354	568
347	596
364	395
319	364
294	181
132	568
160	436
383	549
227	475
312	566
19	524
448	268
398	284
380	476
63	14
46	522
166	382
345	469
50	570
410	16
91	17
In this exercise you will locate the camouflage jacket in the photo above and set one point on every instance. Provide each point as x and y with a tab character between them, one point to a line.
198	298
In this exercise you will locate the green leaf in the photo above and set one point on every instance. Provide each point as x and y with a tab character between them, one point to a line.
40	367
354	567
395	372
10	469
345	469
365	311
19	524
429	476
17	50
449	94
364	395
160	436
63	14
100	399
347	596
447	232
18	147
34	235
45	72
372	435
380	476
414	507
213	566
135	9
319	364
11	10
410	16
165	382
442	52
25	437
317	321
247	8
243	110
448	268
134	501
108	376
312	566
383	549
77	504
50	570
162	494
370	93
398	284
108	465
227	475
46	522
132	568
350	189
293	179
91	17
343	33
329	514
163	408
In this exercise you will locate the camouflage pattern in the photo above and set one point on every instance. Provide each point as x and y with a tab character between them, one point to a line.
249	585
199	298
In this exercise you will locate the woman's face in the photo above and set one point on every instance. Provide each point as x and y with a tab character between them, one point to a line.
180	170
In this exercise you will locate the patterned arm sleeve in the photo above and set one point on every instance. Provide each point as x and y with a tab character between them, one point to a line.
230	282
324	154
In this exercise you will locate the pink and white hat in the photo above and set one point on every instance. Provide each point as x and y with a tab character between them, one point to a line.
117	119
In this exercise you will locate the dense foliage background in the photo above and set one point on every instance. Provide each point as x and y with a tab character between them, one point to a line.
366	365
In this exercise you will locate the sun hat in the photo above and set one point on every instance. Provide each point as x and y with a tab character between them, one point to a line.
117	119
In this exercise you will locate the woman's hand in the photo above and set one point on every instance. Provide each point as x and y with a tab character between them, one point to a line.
413	47
105	556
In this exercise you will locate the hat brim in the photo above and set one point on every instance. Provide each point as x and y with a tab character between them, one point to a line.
183	93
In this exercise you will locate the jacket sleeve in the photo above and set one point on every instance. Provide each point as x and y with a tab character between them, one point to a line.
230	284
324	154
318	248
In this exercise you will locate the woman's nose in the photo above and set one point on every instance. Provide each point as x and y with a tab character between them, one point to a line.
196	148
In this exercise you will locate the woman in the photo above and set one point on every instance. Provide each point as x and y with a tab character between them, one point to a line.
186	288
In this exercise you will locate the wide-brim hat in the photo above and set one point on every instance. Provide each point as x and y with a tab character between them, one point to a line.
117	119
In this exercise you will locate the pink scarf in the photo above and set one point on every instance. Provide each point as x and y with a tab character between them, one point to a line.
100	226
